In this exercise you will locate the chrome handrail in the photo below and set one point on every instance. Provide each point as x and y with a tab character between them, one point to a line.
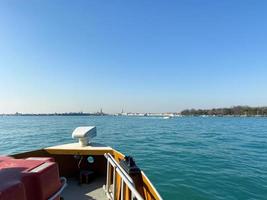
125	179
64	184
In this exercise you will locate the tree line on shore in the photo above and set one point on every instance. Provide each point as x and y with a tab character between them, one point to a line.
236	111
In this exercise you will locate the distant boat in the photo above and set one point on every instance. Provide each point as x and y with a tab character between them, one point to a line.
166	117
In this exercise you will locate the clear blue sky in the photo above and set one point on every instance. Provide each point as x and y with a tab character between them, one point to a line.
143	56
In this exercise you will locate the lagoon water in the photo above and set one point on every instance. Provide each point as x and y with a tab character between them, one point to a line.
185	158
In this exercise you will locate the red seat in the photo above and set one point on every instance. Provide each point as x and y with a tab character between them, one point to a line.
41	182
23	165
2	158
35	178
12	190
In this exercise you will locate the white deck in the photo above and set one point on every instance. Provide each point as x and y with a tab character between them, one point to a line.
92	191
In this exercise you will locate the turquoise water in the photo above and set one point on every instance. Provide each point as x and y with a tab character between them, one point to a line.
185	158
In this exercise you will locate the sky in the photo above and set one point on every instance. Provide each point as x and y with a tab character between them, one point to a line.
140	56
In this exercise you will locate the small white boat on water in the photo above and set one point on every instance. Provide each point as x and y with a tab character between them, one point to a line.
166	117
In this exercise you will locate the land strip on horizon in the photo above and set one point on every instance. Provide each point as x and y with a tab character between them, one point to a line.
232	111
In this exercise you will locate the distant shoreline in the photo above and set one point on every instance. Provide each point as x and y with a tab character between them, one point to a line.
236	111
242	111
133	116
55	114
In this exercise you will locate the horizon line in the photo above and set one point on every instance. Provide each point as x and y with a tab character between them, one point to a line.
130	112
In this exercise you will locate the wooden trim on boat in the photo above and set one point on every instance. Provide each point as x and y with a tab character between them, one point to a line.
149	190
76	149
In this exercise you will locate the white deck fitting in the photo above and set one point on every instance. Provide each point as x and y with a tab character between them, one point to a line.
84	134
76	146
92	191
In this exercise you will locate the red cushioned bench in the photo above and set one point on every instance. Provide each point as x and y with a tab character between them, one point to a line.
28	179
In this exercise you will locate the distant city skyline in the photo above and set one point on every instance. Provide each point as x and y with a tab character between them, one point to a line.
139	56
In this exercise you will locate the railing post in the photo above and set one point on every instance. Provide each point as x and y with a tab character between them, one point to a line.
132	195
108	177
126	181
122	189
114	183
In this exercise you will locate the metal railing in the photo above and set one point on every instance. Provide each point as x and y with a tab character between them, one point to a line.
125	180
63	185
